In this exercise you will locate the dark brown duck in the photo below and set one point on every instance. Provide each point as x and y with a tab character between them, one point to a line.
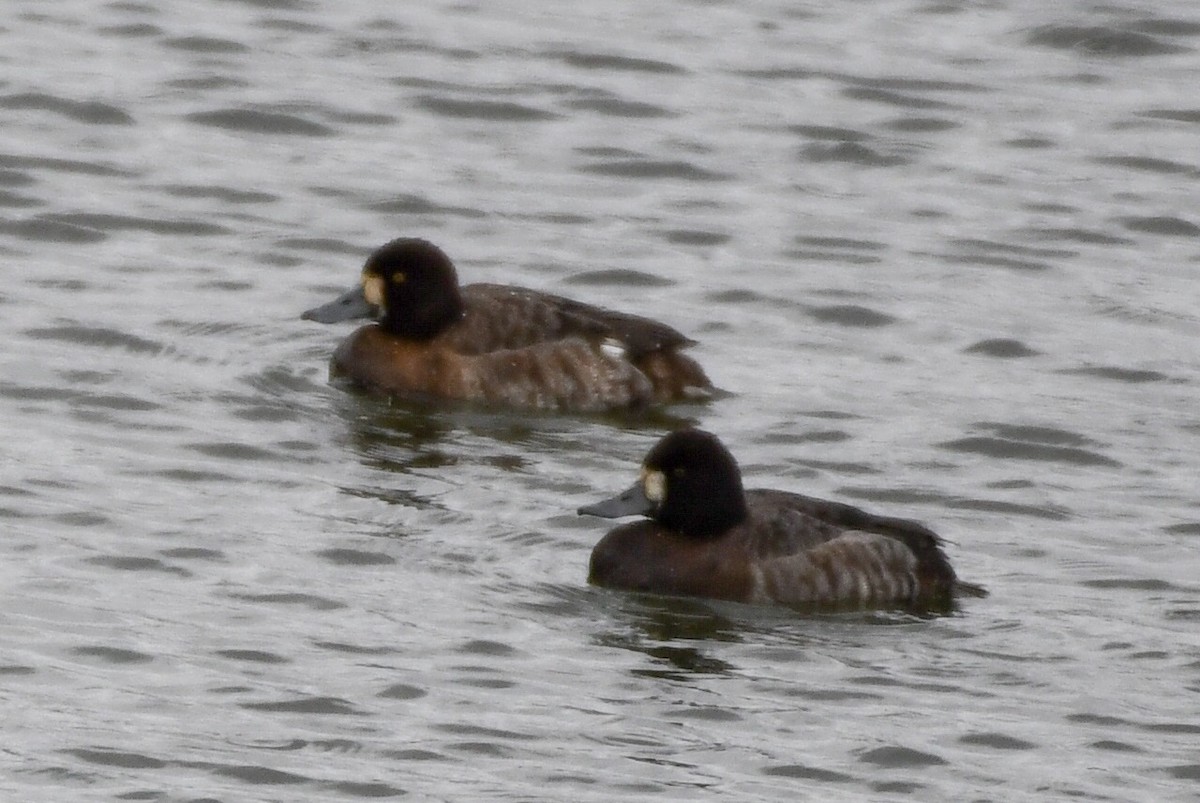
500	345
707	537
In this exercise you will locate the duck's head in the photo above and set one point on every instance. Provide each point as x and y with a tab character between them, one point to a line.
689	483
409	286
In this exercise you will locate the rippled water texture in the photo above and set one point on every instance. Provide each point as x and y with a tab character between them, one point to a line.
943	255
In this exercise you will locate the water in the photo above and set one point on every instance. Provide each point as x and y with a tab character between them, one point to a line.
943	257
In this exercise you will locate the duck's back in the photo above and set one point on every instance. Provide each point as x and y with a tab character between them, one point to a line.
816	552
502	317
839	514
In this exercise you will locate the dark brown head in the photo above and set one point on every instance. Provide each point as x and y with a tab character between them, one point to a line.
689	484
409	285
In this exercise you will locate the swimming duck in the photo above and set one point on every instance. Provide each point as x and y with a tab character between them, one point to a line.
707	537
500	345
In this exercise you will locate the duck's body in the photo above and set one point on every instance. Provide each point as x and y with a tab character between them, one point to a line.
706	537
501	345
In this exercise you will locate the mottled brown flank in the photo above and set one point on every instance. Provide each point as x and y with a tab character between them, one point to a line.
564	375
521	348
792	550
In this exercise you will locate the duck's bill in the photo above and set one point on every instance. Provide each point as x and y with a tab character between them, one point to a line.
352	304
630	503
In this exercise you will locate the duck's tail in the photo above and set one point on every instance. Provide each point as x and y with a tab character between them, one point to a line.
965	589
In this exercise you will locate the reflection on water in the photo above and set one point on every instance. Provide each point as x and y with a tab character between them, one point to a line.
674	634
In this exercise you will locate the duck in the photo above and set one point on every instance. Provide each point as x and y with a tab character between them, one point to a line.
704	535
434	340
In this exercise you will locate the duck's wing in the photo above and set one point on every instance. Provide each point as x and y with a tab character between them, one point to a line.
775	529
854	570
844	516
513	317
835	531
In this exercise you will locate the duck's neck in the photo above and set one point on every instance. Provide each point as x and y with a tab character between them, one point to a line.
722	511
427	319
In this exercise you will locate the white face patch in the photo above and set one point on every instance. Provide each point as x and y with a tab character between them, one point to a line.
372	286
654	485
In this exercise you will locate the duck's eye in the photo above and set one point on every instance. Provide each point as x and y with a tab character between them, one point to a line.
654	485
399	278
372	286
678	471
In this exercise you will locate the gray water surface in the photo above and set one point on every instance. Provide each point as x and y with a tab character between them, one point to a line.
943	256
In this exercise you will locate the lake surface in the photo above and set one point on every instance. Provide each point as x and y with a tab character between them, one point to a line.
943	256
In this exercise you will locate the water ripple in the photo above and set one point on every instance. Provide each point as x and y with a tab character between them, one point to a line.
895	756
224	195
1006	449
1166	225
253	656
608	62
306	705
1100	40
55	164
855	153
113	655
356	557
1133	376
206	44
618	277
258	121
1150	164
614	106
890	98
649	169
312	601
91	111
851	315
108	757
403	691
490	110
997	741
42	229
418	205
808	773
112	223
1005	348
1178	115
257	775
133	563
